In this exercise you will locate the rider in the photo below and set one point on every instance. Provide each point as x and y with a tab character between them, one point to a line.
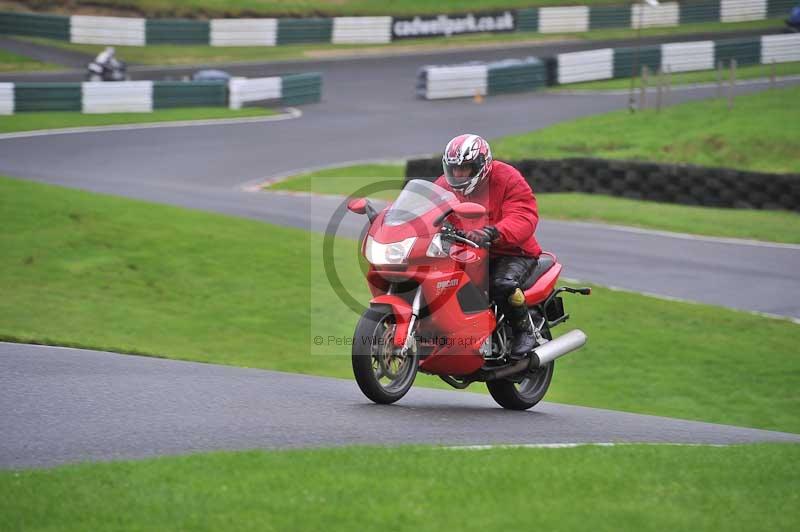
472	175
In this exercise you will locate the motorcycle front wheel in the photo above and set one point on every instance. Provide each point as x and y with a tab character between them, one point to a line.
383	373
522	393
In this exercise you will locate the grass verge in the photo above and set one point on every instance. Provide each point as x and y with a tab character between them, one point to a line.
240	8
111	273
189	54
685	78
57	120
634	487
19	63
769	226
761	133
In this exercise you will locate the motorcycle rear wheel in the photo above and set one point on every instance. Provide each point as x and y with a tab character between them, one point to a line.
524	393
382	372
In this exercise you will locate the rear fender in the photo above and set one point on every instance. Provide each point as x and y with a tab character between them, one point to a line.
401	309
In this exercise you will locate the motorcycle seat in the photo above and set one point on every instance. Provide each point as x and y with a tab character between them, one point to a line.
545	262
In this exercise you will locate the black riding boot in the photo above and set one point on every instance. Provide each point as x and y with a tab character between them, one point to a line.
524	340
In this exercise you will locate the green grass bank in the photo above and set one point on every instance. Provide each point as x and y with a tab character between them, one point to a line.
686	78
10	62
769	226
110	273
761	133
739	488
191	54
305	8
57	120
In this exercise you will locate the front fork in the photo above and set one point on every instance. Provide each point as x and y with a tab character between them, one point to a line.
413	320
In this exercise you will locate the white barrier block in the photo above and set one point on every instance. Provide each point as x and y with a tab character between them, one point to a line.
456	81
780	48
687	56
647	16
107	30
563	19
6	98
586	66
244	32
741	10
362	30
243	90
117	96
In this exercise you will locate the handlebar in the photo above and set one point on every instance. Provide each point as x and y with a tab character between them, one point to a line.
451	233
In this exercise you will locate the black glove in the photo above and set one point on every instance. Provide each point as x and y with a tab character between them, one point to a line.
484	236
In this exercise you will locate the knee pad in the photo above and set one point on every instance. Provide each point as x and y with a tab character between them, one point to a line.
517	298
504	286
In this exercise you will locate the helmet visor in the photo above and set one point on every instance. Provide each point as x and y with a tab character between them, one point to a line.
460	175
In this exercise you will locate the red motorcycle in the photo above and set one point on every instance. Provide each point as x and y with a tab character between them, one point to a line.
431	312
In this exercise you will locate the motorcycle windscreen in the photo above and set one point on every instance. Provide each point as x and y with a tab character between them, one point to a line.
417	198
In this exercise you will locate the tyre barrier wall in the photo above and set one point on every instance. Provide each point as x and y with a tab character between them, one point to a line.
457	81
145	96
669	183
453	81
375	30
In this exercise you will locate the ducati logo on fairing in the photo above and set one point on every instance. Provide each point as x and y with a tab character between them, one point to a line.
442	285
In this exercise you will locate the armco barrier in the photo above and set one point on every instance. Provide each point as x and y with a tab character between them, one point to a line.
515	75
501	77
167	94
669	183
367	30
293	89
244	32
305	30
47	97
243	91
607	63
6	98
300	89
49	26
107	30
117	97
144	96
177	31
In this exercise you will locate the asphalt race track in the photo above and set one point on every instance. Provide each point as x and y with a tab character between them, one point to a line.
63	405
66	405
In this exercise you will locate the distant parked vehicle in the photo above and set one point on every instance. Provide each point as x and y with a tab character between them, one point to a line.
106	67
211	75
793	22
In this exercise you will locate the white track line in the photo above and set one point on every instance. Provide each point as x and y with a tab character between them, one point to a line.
289	114
681	236
572	445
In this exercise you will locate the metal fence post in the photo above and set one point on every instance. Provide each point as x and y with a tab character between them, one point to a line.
772	75
659	89
732	83
643	88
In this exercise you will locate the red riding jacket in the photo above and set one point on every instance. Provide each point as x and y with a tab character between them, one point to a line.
510	207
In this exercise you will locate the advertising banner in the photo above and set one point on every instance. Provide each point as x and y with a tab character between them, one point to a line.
447	25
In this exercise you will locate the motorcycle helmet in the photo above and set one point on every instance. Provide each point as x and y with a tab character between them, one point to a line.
466	162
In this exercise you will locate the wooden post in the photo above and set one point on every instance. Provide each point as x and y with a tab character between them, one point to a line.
732	84
643	89
719	79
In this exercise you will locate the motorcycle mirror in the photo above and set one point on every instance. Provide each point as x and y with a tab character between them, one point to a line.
357	205
469	211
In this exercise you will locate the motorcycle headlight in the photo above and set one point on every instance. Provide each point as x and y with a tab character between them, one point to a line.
436	249
391	253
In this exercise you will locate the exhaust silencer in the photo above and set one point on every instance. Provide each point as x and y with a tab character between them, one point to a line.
564	344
